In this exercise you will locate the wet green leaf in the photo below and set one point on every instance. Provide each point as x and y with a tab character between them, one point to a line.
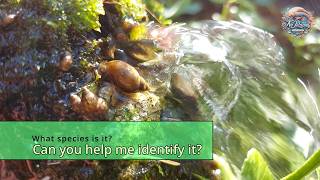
255	167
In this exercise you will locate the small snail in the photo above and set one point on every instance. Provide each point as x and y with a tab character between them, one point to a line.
88	103
142	50
65	61
123	76
5	21
185	93
75	102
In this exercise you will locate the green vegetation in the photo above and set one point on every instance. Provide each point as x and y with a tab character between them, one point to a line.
310	165
255	167
139	32
81	15
157	11
132	9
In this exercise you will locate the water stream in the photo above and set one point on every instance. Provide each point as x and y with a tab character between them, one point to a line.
242	83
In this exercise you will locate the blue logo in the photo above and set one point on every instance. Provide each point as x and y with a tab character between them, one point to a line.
297	21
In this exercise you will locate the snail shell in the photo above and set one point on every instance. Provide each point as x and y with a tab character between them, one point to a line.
65	61
75	102
142	50
92	103
88	100
5	21
123	76
89	103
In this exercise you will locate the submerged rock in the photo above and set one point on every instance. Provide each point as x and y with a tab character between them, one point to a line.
144	106
184	92
107	92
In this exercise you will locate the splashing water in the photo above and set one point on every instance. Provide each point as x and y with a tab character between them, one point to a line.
240	75
216	57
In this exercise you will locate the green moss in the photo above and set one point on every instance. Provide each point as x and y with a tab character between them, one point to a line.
139	32
81	14
93	87
129	114
131	9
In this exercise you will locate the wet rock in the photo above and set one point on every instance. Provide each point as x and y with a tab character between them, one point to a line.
182	88
109	47
183	91
30	62
19	111
106	92
144	107
172	111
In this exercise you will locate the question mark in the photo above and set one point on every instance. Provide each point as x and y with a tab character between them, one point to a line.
199	146
110	138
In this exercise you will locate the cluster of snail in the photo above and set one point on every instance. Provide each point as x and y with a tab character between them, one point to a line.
88	103
120	56
67	84
122	75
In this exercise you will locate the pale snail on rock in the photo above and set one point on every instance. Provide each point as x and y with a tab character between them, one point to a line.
91	102
88	103
123	75
75	102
